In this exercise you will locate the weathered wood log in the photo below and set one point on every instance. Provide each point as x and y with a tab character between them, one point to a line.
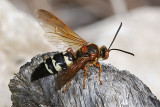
119	89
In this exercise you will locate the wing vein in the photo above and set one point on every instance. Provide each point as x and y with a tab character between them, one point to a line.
57	32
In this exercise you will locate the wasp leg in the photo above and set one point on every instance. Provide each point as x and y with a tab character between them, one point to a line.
85	74
84	49
71	51
99	65
64	89
44	58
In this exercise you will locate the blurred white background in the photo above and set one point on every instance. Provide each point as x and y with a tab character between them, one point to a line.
97	21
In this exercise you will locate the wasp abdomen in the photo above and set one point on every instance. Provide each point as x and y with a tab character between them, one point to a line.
53	65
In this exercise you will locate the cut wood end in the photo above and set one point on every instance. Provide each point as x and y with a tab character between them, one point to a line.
120	88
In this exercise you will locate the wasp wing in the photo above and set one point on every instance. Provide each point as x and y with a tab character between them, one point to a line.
65	76
57	32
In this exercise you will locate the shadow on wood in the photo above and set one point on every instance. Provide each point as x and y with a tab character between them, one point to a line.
119	89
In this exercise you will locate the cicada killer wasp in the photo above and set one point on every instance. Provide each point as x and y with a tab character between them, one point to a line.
67	64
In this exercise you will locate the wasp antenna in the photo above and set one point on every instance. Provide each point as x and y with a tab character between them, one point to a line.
123	51
115	36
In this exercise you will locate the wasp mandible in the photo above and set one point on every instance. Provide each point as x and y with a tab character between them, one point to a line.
67	64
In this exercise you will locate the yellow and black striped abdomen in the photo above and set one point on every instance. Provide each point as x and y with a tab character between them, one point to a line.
53	65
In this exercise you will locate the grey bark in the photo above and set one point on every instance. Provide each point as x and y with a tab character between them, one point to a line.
119	89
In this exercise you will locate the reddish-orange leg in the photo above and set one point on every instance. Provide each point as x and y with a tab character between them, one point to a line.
64	89
44	58
85	74
71	51
99	65
84	49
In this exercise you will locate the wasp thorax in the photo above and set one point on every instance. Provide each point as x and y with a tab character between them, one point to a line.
92	49
104	52
87	50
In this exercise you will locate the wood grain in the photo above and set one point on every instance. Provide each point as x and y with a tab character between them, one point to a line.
119	89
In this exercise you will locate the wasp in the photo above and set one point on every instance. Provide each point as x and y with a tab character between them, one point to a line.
66	64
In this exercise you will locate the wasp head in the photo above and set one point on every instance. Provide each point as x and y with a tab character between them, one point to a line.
104	52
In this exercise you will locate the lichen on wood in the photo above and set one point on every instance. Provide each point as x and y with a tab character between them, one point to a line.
119	89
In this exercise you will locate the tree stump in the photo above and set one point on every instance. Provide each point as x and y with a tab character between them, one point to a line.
119	89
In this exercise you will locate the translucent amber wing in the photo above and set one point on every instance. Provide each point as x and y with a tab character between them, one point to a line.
57	32
64	76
